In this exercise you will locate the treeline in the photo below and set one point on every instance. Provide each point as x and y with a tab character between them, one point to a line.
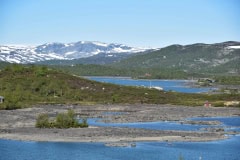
62	120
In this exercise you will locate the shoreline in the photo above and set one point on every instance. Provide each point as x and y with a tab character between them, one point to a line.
114	142
19	124
64	135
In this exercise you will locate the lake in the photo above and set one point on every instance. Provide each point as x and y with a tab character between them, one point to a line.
184	86
221	150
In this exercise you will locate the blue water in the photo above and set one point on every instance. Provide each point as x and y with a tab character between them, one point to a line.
217	150
167	85
161	125
220	150
228	123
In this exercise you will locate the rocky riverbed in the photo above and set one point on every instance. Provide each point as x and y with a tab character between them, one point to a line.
20	124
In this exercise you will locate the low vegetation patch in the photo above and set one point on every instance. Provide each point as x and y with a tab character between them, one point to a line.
62	120
25	85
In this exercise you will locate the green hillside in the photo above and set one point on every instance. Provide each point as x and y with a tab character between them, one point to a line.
172	62
196	58
92	70
3	64
24	86
104	70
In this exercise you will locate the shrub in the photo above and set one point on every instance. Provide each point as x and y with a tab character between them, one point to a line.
41	71
11	105
218	104
62	120
84	124
43	121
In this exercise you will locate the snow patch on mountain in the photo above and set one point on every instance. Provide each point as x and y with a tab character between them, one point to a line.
61	51
234	47
100	44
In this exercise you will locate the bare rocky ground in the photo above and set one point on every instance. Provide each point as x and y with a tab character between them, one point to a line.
20	124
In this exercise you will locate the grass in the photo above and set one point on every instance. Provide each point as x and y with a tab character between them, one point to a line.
24	86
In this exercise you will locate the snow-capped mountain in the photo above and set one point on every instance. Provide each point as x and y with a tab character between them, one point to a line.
61	51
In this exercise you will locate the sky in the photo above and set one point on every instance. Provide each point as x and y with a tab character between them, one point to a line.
139	23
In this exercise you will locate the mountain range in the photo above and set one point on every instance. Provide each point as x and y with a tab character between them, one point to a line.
195	58
63	51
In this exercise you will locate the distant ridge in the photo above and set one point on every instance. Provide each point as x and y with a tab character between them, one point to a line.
196	58
200	58
61	51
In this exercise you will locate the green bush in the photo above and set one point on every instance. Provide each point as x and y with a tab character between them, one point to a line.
11	105
218	104
41	71
84	124
43	121
66	120
62	120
